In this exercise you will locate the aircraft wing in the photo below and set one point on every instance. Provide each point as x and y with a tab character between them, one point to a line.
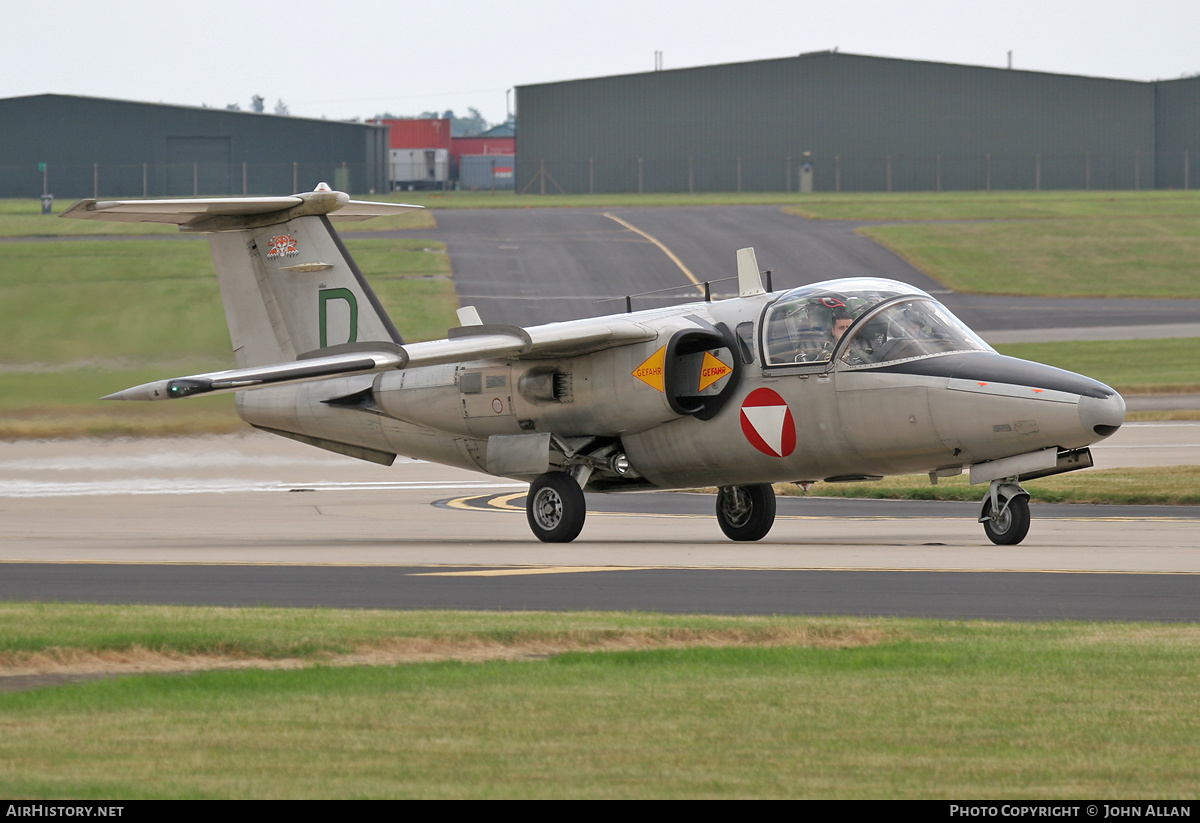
463	344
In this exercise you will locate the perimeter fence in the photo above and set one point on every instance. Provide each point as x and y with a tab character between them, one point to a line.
850	173
131	180
611	175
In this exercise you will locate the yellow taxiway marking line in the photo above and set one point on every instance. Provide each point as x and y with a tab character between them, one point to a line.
514	572
502	503
662	247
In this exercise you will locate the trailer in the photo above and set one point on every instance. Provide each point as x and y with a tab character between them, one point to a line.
482	172
413	169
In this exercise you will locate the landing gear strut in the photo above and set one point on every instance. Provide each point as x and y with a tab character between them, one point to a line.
746	512
1005	513
555	508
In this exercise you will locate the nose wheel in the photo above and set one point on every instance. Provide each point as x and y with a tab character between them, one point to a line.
555	508
746	512
1005	513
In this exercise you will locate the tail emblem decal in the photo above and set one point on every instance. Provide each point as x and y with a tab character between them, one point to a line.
281	245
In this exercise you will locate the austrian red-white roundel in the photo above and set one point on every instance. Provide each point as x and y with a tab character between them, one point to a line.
768	424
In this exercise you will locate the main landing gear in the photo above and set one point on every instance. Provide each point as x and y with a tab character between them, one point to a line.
555	508
1005	513
746	512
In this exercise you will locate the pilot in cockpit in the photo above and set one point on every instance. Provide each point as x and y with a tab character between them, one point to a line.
841	322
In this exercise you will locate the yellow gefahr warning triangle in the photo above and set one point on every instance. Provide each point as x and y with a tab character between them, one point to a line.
712	371
651	371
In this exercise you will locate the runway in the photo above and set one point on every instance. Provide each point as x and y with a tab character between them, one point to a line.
250	520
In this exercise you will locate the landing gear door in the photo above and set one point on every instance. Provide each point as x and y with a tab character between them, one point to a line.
701	371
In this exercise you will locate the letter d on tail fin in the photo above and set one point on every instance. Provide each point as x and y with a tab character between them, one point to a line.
351	332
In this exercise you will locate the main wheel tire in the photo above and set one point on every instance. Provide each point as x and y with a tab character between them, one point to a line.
746	512
555	508
1011	526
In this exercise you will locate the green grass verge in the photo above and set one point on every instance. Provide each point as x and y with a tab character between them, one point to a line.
1056	258
888	709
998	205
1053	244
66	403
313	634
1164	485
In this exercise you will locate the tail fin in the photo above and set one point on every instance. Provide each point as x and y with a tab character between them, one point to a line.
288	283
292	287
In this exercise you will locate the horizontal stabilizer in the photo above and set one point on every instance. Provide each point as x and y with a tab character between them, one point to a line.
231	213
261	377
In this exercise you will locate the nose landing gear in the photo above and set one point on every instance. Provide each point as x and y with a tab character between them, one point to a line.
1005	513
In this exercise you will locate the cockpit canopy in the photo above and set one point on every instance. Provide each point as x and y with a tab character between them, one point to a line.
859	323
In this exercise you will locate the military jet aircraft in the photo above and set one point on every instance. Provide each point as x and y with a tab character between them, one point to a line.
845	380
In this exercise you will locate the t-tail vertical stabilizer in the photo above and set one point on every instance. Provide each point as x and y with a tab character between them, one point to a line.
288	283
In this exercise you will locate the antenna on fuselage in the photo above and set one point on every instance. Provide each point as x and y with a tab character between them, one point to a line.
749	278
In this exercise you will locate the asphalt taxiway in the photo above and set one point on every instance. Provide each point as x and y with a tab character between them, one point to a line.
256	520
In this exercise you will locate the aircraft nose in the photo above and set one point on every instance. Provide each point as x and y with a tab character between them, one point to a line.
1102	415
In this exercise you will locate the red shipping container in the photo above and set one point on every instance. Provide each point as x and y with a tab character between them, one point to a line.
417	134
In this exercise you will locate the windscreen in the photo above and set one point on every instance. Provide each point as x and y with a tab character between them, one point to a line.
907	329
809	324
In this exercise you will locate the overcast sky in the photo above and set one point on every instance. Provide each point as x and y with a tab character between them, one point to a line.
358	58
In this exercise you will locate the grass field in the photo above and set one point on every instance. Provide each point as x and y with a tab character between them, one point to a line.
588	705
